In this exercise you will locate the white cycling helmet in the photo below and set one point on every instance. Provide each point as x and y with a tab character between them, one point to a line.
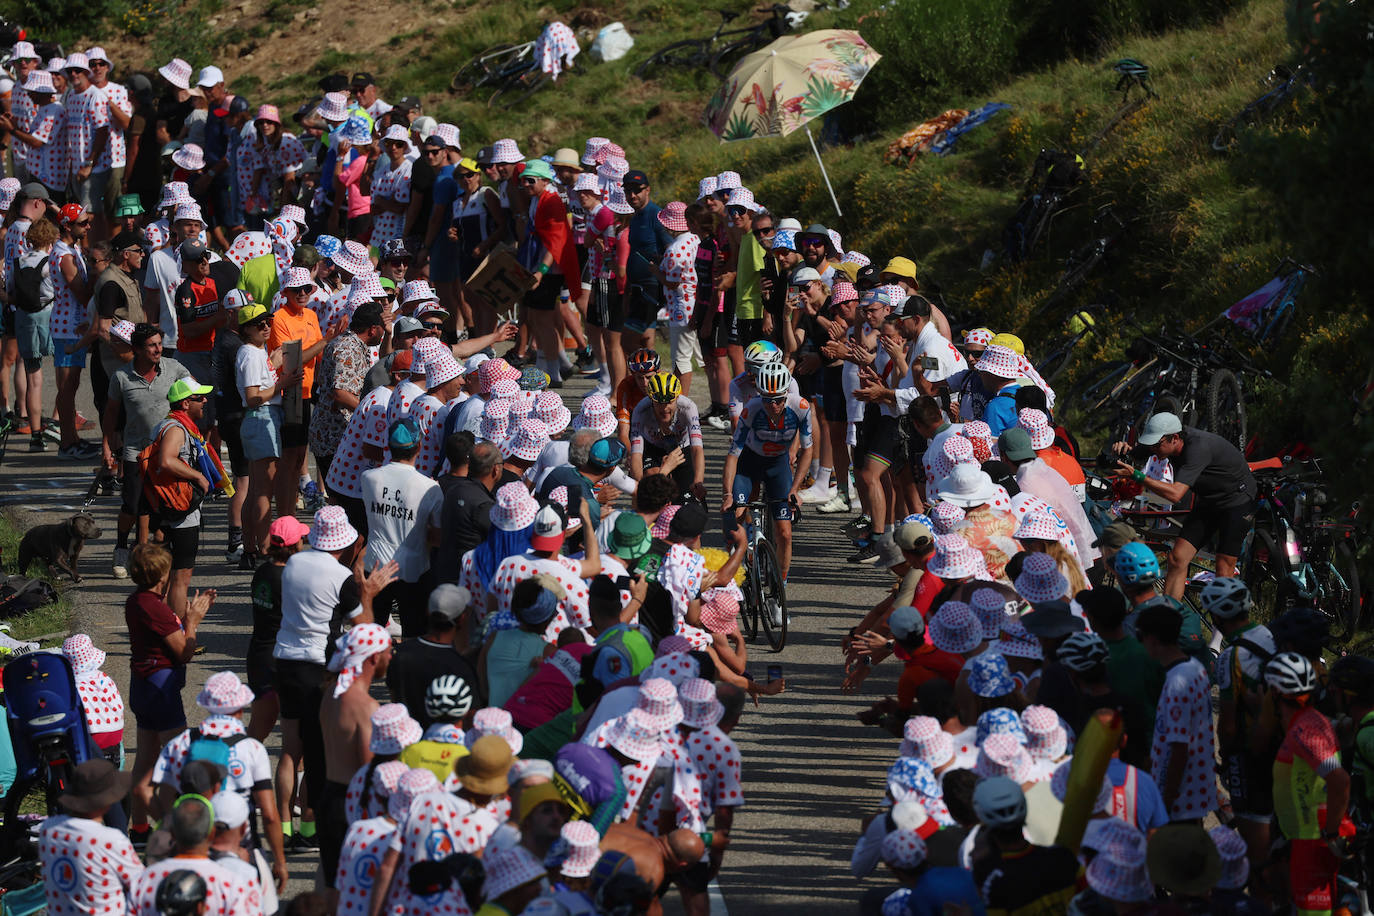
448	697
1290	674
1226	598
759	353
999	802
773	380
1082	652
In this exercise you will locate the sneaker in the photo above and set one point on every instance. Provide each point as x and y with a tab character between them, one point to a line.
808	482
81	450
82	423
37	443
120	567
837	503
860	527
248	561
815	494
718	421
393	628
16	646
868	553
233	554
305	843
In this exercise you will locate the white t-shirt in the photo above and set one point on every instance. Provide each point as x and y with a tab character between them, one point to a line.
1184	715
251	369
402	505
227	893
359	861
310	586
163	276
437	826
88	868
929	343
249	767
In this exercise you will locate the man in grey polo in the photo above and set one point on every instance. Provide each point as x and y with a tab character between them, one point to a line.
139	388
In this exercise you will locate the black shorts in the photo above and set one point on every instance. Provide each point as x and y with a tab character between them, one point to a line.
183	544
131	500
1228	526
693	879
882	441
298	688
229	435
748	330
682	474
261	669
832	394
297	435
544	297
606	306
7	321
1250	782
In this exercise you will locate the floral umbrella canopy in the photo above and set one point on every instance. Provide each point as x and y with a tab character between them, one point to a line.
777	89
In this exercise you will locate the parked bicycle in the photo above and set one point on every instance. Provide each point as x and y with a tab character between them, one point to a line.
1080	325
765	593
1108	227
510	70
1054	176
723	48
1285	84
1266	314
1302	550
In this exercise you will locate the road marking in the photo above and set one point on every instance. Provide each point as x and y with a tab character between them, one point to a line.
717	899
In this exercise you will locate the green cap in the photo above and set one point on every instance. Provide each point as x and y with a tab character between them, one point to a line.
630	538
387	283
537	168
186	387
1015	444
128	205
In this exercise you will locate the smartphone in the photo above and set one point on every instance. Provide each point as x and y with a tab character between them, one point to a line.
929	362
774	673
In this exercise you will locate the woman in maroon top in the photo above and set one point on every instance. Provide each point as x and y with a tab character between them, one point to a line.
161	643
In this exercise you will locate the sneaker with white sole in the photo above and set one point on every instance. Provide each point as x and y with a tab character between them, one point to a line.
815	494
717	421
120	567
233	556
15	646
868	553
858	528
836	504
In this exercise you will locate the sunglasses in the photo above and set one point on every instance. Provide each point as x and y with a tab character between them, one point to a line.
528	181
433	152
814	242
434	325
402	261
257	325
197	397
764	230
776	399
83	222
635	188
736	211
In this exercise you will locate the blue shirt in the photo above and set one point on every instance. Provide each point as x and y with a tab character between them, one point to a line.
445	193
1000	412
939	886
647	238
217	132
1150	813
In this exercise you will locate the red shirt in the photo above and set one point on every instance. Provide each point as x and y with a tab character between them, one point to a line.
150	620
925	663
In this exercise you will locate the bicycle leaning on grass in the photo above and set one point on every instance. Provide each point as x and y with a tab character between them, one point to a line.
719	51
509	69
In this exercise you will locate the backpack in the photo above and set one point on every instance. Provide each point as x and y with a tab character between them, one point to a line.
169	496
212	748
28	286
20	594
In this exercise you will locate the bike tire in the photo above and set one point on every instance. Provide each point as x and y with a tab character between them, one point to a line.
749	610
1167	403
474	72
724	60
1226	407
1053	366
1225	136
680	55
527	85
1264	568
1344	605
772	593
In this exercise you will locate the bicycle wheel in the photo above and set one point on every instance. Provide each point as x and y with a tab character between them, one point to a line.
476	71
1053	366
1341	592
519	89
749	610
680	55
724	60
1225	135
1226	407
773	595
1264	567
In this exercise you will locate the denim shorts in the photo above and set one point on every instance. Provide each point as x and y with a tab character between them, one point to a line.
261	432
31	329
156	700
76	359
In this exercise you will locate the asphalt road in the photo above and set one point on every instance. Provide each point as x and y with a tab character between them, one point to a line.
811	770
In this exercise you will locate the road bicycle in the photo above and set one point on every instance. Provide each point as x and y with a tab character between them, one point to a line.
1285	83
723	48
509	69
1302	549
765	593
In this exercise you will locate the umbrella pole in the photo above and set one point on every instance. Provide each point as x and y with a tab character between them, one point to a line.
824	174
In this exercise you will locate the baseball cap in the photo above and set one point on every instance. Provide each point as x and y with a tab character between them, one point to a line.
449	601
35	191
125	240
1015	444
287	530
906	623
236	299
230	809
406	325
186	387
913	535
689	521
361	80
408	103
606	453
334	82
1116	535
804	275
210	76
191	250
634	179
403	434
1159	426
548	529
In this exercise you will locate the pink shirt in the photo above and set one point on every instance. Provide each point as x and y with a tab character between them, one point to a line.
358	203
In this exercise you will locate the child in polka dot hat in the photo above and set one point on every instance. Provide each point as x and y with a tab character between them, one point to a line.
100	697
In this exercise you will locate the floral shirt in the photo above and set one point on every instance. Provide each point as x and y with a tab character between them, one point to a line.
69	314
366	426
989	531
343	366
86	113
88	869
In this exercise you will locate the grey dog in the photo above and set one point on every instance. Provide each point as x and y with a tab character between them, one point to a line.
58	545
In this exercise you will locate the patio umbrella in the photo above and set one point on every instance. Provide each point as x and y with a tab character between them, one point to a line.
777	89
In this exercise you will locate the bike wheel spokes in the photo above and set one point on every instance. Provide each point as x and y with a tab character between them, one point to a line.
749	611
773	595
1265	572
1341	592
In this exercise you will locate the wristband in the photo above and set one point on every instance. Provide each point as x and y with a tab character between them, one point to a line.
543	268
707	837
1138	476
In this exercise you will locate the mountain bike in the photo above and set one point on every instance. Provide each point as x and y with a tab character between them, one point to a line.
765	594
1285	83
715	52
1053	178
1266	313
509	69
1081	325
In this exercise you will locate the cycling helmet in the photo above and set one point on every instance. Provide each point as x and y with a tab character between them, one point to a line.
1301	629
760	353
773	380
1226	598
644	359
664	387
999	802
448	698
1290	674
180	893
1082	652
1136	564
1354	674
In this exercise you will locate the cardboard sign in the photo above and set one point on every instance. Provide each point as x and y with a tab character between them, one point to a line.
291	397
499	280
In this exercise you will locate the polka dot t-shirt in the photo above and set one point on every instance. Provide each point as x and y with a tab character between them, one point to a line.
437	826
359	861
1185	716
226	893
88	868
367	426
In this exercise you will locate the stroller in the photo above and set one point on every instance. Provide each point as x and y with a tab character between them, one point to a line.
50	738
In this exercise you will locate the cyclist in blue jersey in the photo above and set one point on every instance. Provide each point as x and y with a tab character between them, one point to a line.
742	387
759	454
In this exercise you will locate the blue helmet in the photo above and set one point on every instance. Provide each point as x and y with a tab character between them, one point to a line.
1136	564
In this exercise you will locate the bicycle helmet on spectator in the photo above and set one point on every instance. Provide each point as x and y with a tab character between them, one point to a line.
1226	598
448	698
181	893
999	802
1290	674
760	353
664	387
644	359
1354	674
1082	651
773	380
1136	564
1301	629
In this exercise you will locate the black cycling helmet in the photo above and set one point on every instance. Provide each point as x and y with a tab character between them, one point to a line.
180	893
1354	674
1301	629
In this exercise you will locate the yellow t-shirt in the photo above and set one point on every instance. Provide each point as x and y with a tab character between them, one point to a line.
436	756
